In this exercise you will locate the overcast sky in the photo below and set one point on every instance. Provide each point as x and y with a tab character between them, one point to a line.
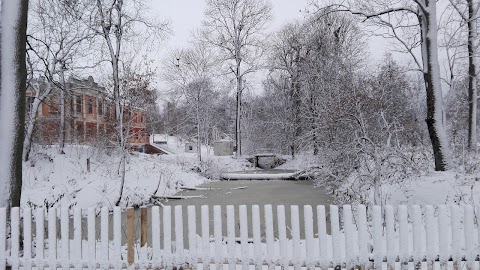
186	15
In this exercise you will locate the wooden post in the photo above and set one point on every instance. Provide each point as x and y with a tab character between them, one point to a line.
88	165
130	235
143	224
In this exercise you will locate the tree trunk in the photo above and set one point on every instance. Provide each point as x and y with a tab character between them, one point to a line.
431	73
238	114
62	110
12	99
32	119
472	72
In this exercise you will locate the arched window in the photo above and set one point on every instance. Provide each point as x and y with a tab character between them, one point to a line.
90	106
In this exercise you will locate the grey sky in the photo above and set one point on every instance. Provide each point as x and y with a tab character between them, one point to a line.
186	15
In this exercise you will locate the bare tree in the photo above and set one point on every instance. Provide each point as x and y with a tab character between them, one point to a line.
118	21
236	29
191	71
12	99
469	12
399	17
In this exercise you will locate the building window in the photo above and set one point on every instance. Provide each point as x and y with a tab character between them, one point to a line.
78	104
53	108
100	107
29	103
90	106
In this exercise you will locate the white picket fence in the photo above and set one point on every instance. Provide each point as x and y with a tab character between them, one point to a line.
402	234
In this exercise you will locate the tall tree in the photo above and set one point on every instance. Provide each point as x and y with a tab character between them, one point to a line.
118	21
236	28
382	13
469	12
12	99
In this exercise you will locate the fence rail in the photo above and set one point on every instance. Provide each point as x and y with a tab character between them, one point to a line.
346	236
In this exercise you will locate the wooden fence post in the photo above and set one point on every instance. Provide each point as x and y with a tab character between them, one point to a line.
130	235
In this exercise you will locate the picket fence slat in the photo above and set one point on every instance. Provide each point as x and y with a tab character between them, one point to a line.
271	256
27	237
322	234
308	222
77	237
15	237
65	238
377	235
167	235
418	251
242	209
295	223
192	234
349	238
231	236
257	248
3	238
117	237
205	234
178	235
104	236
40	236
468	233
362	235
282	235
443	233
335	228
403	232
413	234
52	234
156	235
217	231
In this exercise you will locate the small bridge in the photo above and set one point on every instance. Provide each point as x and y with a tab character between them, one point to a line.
264	158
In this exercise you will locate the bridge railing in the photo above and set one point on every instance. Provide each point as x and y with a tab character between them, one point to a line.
264	236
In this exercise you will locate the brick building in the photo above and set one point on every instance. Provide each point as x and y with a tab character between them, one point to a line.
89	116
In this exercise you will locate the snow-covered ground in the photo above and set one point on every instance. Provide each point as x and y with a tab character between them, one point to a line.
64	180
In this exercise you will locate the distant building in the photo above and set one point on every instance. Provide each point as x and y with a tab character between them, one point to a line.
89	116
223	147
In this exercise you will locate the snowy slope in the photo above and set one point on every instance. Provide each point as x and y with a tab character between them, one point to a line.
63	180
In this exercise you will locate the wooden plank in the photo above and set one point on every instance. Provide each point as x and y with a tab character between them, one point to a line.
456	234
390	233
64	230
104	215
167	236
156	258
217	233
77	237
269	237
468	233
3	238
295	223
130	236
179	236
404	236
92	239
363	237
350	256
52	236
282	236
15	237
192	235
117	238
443	233
377	236
39	237
143	234
335	228
418	241
430	236
231	237
242	209
27	237
205	235
322	235
309	247
257	241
